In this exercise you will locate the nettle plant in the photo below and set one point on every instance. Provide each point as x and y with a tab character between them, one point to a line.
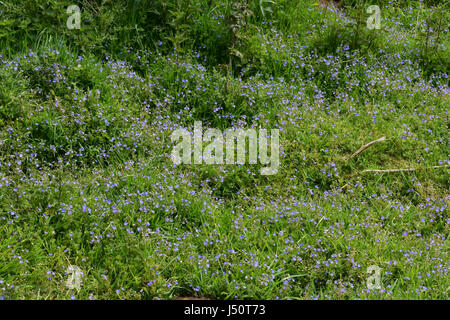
237	19
431	38
181	14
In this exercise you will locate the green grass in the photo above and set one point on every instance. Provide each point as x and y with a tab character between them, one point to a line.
86	177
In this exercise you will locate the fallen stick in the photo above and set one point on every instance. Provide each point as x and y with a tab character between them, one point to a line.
364	147
402	170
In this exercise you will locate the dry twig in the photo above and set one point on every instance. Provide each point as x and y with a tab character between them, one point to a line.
402	170
364	147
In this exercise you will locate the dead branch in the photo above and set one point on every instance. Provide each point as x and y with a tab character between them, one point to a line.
364	147
402	169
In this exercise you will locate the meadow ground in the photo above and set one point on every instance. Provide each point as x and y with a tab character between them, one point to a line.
86	178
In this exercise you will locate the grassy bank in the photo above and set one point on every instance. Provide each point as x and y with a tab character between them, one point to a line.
86	178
